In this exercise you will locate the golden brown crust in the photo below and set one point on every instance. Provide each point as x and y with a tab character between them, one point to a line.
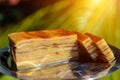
43	34
81	36
93	37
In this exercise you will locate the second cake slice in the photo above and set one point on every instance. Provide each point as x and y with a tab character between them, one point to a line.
103	49
88	51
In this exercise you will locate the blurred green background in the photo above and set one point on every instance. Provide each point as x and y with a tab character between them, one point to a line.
100	17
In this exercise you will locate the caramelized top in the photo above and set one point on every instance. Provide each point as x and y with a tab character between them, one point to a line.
43	34
93	37
81	37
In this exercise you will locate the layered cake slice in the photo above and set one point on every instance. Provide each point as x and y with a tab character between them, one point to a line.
103	49
88	51
32	49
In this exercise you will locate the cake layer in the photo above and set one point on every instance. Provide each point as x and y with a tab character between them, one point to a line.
37	52
46	48
103	49
44	56
34	60
87	50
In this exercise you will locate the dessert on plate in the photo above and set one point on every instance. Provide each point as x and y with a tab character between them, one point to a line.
33	50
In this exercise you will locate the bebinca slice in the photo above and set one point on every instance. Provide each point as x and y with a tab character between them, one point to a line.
104	51
32	49
88	51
